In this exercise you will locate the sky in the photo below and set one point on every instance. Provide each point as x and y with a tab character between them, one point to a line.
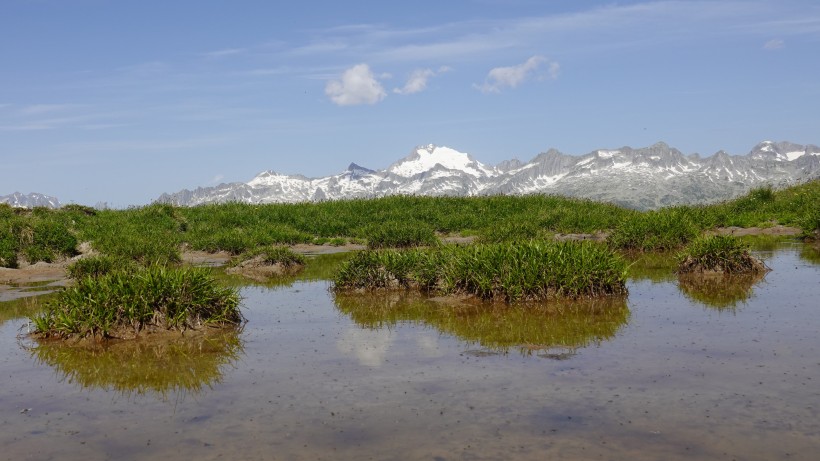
120	101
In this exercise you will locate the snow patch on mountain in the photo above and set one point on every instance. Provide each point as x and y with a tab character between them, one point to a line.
31	200
426	158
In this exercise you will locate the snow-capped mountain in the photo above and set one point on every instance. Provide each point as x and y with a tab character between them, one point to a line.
31	200
643	178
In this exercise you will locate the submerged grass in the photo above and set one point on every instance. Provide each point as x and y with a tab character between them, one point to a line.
505	271
124	304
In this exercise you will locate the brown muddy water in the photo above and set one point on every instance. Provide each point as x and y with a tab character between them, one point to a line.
673	372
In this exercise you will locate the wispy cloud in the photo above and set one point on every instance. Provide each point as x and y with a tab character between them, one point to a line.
223	53
512	76
774	44
603	27
40	109
356	86
40	117
417	82
149	145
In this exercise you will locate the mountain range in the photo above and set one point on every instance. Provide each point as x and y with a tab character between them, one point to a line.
19	200
644	178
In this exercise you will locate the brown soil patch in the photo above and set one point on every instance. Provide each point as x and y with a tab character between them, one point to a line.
148	334
459	240
777	230
257	269
599	236
310	249
36	279
203	258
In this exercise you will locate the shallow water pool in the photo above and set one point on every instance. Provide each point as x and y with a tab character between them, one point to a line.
667	374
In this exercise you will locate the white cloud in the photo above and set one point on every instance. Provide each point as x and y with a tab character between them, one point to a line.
357	86
553	70
416	83
369	346
512	76
774	44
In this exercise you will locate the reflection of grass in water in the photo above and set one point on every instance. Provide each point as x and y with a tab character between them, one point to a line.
719	291
765	242
652	266
811	252
22	307
526	327
183	364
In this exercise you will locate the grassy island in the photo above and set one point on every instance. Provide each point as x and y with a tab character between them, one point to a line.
125	304
509	272
722	254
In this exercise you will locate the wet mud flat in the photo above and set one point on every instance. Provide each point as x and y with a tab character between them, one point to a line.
672	376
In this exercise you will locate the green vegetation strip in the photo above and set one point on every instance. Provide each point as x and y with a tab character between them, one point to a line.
124	304
154	234
533	270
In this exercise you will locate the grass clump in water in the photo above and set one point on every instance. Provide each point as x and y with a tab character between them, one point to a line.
534	270
273	255
267	262
719	254
123	304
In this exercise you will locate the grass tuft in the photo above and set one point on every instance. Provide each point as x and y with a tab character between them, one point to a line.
399	235
507	272
666	229
719	254
97	266
124	304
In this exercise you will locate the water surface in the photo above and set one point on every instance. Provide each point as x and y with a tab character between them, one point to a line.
669	373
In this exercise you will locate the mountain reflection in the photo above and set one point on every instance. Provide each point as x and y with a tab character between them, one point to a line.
161	366
722	292
538	329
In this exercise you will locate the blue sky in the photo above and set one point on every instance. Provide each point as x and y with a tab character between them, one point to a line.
120	101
